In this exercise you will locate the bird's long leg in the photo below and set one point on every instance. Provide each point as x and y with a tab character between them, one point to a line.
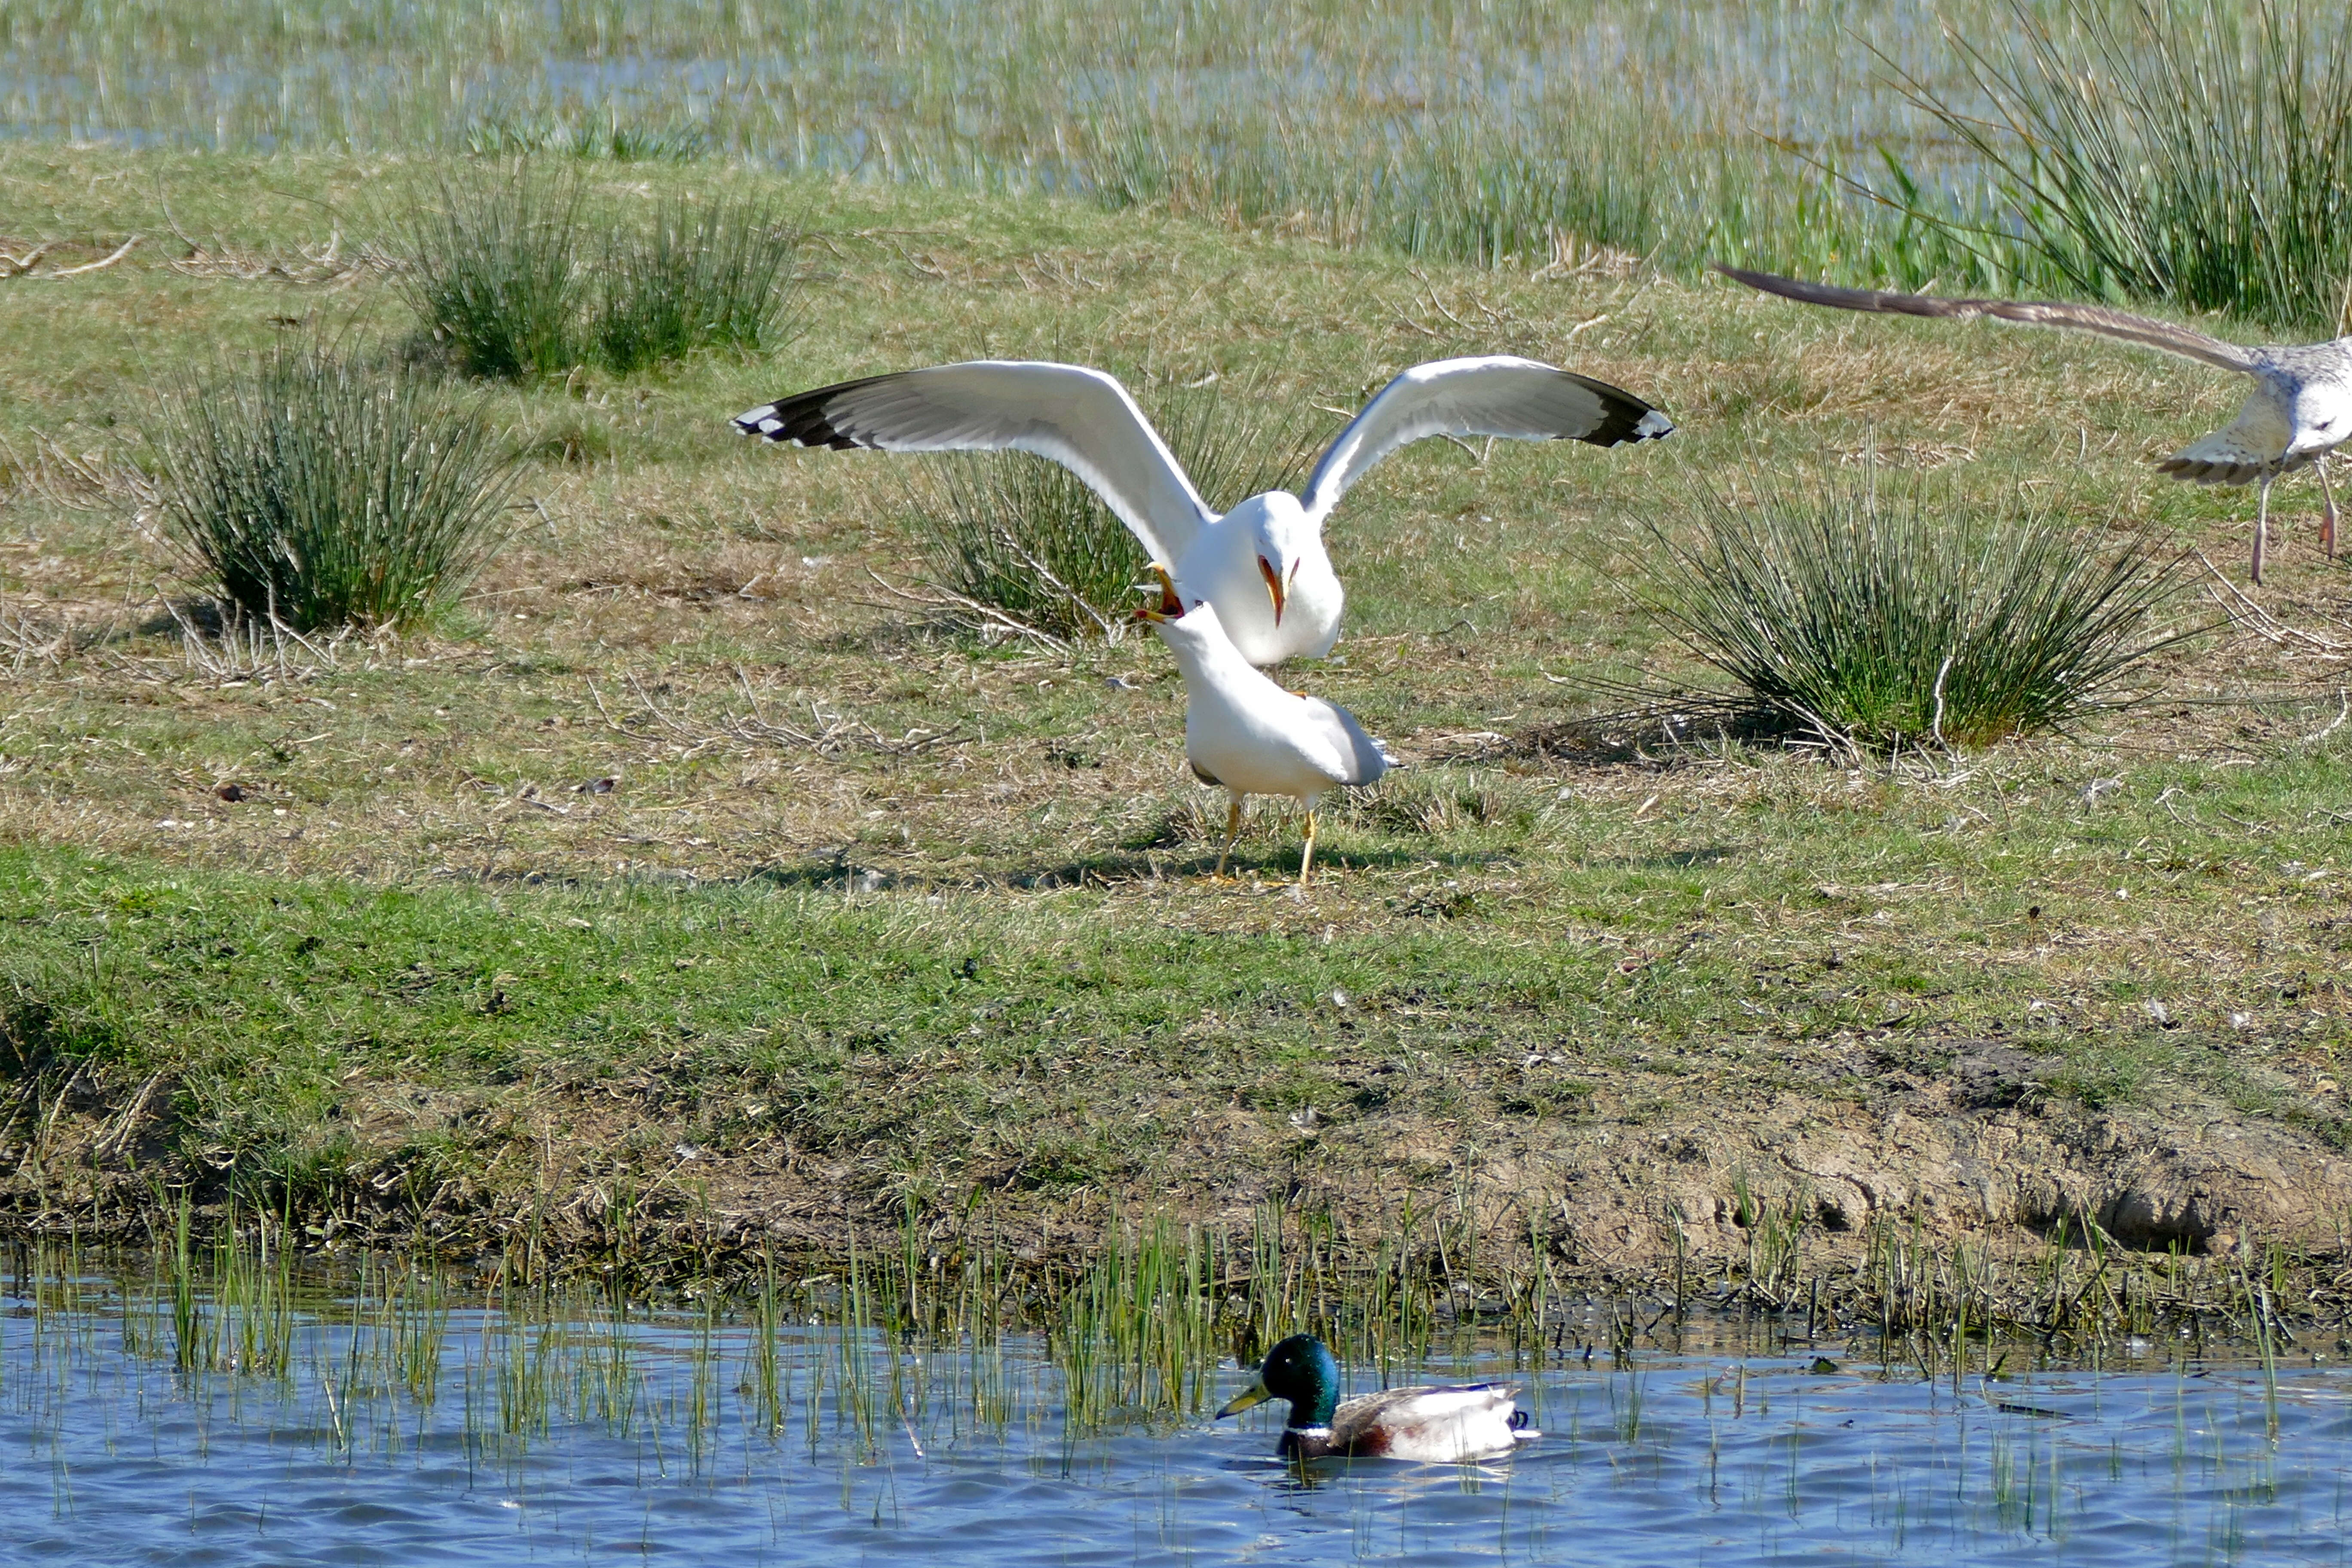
2327	517
1306	856
2262	528
1233	831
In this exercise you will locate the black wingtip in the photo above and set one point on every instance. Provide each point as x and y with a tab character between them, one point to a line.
1624	417
805	418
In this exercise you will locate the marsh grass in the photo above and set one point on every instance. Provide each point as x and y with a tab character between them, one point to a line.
709	275
2199	154
314	491
492	269
1882	614
606	138
505	268
1026	538
1510	133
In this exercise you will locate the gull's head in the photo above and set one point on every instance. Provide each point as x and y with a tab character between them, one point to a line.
1282	535
1171	603
1183	628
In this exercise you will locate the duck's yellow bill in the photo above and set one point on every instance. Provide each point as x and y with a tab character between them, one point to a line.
1256	1393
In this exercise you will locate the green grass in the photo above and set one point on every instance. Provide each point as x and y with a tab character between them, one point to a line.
716	276
873	915
1871	618
320	491
514	275
492	269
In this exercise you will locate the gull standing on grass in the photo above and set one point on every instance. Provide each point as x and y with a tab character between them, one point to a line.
1245	732
2299	411
1262	565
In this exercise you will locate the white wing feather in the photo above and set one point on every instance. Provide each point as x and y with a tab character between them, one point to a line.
1496	394
1353	756
1081	418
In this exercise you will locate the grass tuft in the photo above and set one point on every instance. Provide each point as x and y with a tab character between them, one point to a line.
2194	154
700	275
503	270
1027	539
492	269
1882	621
315	492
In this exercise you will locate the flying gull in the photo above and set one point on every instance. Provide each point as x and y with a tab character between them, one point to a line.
1262	565
2299	411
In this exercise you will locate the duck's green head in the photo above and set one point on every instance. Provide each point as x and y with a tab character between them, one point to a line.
1301	1370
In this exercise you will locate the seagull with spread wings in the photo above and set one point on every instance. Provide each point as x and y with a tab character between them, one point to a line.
1262	565
2299	411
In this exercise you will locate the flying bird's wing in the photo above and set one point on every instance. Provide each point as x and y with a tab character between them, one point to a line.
1492	396
2144	331
2258	442
1080	419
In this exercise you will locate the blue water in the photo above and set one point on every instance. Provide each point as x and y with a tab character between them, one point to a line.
898	1453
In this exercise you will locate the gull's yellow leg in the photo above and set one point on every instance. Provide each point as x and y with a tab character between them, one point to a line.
1306	856
1233	831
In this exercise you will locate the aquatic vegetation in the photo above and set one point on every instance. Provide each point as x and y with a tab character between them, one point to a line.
1485	136
2200	155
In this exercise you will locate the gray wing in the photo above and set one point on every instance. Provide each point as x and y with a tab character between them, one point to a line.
1080	419
1351	756
1494	395
2144	331
2259	441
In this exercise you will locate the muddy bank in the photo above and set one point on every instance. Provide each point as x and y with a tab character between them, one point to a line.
1623	1186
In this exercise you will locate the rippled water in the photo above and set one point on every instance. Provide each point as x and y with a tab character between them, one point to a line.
491	1439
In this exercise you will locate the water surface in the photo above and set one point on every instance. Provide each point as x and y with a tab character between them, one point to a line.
460	1434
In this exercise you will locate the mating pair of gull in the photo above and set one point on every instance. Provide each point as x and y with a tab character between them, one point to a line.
1238	590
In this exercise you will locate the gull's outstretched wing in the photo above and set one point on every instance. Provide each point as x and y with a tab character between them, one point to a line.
1081	418
2144	331
2259	441
1491	395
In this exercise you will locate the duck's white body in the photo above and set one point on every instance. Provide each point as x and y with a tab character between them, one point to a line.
1448	1425
1434	1426
1262	565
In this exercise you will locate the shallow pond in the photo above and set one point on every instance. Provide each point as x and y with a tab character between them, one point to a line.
363	1429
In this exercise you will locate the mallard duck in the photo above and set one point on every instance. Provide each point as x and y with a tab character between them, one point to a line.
1438	1426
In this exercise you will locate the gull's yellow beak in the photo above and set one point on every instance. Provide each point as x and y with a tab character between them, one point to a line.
1274	589
1170	607
1254	1394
